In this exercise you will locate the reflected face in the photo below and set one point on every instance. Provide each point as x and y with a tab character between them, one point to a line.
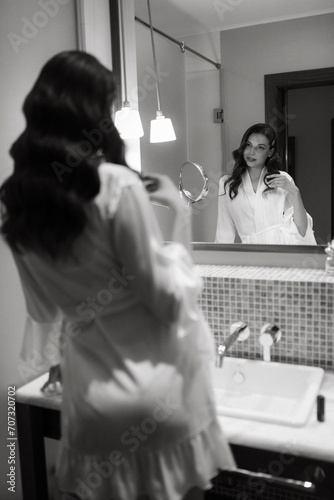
257	150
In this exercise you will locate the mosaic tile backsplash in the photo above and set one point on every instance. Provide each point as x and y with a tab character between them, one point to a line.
299	301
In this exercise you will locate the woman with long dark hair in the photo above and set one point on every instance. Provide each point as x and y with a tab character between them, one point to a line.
138	415
258	202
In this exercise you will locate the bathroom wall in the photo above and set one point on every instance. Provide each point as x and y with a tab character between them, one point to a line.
299	301
30	35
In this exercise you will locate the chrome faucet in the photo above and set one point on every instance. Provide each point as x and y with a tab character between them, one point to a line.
270	335
238	331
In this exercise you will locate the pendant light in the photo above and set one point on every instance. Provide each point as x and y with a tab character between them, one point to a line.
127	120
161	128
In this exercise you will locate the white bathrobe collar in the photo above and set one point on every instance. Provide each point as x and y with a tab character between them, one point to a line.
255	200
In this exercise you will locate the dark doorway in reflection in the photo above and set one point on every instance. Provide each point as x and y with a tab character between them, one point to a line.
310	113
279	114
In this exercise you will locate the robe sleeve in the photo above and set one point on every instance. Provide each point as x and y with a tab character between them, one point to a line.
43	325
226	230
289	223
295	236
164	276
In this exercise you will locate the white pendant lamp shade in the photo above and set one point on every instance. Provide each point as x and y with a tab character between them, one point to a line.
128	122
162	130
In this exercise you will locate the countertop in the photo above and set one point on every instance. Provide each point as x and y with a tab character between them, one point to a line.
314	440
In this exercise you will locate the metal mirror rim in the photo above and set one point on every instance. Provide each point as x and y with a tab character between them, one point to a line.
205	189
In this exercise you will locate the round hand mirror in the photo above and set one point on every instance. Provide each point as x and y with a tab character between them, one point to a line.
193	183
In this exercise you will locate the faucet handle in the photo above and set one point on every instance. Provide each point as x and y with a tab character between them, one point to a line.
241	329
270	334
238	331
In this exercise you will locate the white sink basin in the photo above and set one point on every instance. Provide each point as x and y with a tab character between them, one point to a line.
270	392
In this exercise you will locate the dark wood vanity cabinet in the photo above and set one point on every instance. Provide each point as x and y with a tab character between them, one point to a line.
272	469
34	423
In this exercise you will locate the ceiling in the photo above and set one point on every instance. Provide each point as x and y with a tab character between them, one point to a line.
182	18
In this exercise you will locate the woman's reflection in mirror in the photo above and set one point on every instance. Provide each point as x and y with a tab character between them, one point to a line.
259	202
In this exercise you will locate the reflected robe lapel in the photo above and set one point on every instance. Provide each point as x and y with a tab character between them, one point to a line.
255	200
268	210
261	204
248	194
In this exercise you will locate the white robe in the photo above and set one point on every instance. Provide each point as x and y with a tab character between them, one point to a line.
137	353
259	219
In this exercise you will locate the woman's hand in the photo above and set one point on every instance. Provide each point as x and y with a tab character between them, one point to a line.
167	194
280	181
162	190
299	212
53	385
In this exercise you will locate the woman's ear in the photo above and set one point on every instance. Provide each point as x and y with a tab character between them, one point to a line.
271	152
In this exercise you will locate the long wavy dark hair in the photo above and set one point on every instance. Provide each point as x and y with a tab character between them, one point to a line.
273	163
68	132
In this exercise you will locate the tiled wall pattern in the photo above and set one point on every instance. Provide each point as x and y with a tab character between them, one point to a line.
299	301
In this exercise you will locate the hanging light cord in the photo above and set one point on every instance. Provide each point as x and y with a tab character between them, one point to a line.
125	85
154	58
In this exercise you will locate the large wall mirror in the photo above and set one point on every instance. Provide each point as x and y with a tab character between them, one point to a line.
255	42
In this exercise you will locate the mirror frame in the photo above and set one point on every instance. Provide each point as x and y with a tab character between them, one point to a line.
242	247
205	251
237	254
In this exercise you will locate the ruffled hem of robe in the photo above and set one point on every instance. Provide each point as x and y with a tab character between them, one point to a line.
165	474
